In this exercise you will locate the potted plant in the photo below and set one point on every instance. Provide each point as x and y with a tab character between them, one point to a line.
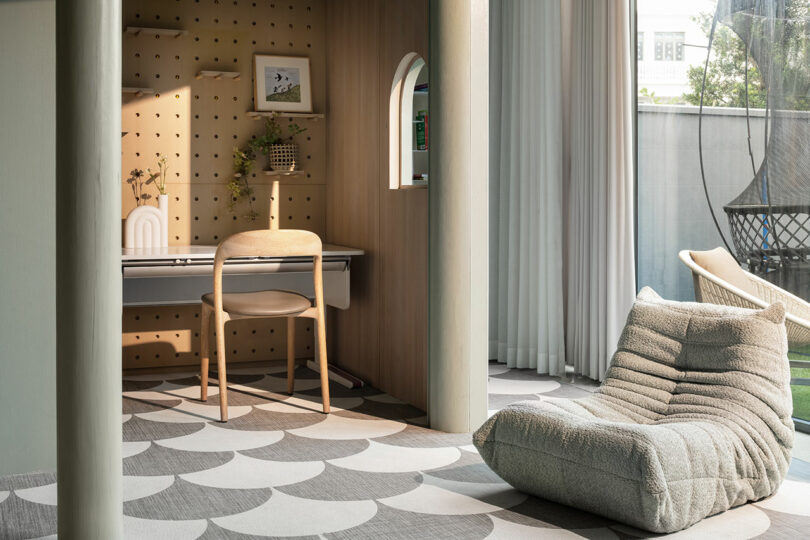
282	150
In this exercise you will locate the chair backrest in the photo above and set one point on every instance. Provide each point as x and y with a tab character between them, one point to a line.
271	243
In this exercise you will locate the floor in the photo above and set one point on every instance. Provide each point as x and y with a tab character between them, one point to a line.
279	468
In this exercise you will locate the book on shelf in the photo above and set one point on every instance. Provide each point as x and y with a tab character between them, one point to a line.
421	127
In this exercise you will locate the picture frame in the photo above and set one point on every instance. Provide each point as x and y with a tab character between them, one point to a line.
282	83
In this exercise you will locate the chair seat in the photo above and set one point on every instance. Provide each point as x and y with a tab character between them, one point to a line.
261	303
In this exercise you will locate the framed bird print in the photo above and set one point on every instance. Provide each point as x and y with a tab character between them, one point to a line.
281	83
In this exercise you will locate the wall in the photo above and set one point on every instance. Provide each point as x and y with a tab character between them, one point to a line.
672	210
27	265
383	336
196	123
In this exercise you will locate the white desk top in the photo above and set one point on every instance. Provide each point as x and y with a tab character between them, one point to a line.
199	253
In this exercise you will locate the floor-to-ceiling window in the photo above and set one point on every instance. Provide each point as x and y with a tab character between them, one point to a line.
752	133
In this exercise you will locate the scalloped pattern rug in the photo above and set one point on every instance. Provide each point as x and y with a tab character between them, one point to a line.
281	469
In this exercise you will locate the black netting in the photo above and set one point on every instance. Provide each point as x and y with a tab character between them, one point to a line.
770	219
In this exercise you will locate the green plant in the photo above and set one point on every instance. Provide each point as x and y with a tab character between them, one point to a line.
159	178
239	185
726	77
274	134
645	93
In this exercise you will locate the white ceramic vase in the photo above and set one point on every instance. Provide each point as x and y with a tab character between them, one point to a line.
148	227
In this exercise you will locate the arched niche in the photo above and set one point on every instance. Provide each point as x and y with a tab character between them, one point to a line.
408	124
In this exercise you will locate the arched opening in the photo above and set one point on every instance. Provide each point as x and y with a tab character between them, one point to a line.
408	124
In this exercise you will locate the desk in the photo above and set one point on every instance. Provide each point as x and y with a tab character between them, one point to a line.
180	275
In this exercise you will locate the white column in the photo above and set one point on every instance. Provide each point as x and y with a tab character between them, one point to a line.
88	299
458	214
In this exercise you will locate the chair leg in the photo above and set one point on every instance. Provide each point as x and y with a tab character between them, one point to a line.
321	322
205	328
290	355
223	380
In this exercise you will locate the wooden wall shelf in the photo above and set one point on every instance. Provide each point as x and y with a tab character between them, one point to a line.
262	114
218	75
137	91
169	32
283	173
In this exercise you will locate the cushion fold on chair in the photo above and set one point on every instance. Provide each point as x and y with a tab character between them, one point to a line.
694	418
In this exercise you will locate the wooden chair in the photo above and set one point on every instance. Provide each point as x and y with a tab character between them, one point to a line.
263	304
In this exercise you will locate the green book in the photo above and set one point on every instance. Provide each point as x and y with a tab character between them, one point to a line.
420	135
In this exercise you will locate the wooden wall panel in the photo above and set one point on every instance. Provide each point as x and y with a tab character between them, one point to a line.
403	227
196	123
352	195
383	337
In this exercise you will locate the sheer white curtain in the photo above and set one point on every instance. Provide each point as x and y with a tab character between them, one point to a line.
600	265
526	227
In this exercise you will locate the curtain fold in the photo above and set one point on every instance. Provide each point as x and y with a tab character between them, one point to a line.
601	262
526	158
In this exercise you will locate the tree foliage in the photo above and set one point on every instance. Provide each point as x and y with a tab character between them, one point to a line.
726	75
725	78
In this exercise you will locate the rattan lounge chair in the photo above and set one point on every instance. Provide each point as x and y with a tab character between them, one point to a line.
714	289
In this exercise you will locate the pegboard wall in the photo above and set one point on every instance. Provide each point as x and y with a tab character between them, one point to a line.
196	123
170	336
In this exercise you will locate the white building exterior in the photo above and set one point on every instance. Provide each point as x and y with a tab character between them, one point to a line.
669	41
